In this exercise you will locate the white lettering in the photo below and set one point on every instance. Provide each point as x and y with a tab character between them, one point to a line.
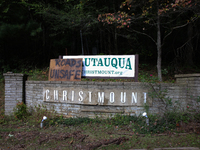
145	97
90	96
64	95
55	94
123	97
134	97
47	96
80	95
72	95
112	97
101	97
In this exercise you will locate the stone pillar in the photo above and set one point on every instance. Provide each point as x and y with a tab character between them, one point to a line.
188	79
14	91
192	82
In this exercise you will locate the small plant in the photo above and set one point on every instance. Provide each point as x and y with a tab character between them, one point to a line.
36	74
146	107
20	112
164	71
198	99
151	81
2	116
38	112
143	65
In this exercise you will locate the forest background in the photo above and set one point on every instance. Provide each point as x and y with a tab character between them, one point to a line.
34	31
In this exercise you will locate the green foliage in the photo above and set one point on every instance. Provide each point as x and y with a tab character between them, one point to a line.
93	133
134	124
33	115
177	117
1	78
32	32
146	107
37	113
145	76
164	71
137	124
119	120
72	121
151	82
2	116
20	112
173	115
36	74
198	99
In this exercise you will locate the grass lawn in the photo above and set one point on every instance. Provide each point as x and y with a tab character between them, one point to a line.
16	134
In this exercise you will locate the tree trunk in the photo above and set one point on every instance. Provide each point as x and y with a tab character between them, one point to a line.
159	59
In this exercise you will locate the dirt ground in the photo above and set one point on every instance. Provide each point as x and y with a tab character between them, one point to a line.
85	137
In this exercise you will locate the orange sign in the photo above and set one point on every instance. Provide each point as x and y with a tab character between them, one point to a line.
65	69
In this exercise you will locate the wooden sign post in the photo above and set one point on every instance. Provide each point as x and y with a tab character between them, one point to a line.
65	69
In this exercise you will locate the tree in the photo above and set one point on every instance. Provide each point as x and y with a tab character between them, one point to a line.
159	15
63	16
17	33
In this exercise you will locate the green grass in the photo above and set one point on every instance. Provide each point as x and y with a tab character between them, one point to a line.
118	132
155	141
81	133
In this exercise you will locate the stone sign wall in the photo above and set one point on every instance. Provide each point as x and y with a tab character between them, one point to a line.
90	99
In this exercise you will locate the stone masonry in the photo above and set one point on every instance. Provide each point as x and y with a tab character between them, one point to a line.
182	93
14	91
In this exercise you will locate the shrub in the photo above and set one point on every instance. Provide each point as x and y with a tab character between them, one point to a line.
20	112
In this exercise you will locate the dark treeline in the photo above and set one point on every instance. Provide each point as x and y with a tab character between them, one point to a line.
33	31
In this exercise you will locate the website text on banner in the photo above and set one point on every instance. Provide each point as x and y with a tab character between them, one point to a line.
107	65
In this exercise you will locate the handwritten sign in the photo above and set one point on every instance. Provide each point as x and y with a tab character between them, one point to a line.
65	70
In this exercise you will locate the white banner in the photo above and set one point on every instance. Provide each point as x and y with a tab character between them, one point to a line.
107	65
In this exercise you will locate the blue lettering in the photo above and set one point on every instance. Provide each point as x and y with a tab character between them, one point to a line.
62	62
94	61
57	74
128	64
86	62
77	75
52	73
120	62
108	62
58	62
79	63
70	74
67	62
62	74
73	62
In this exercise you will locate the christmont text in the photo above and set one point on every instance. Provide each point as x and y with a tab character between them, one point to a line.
94	97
